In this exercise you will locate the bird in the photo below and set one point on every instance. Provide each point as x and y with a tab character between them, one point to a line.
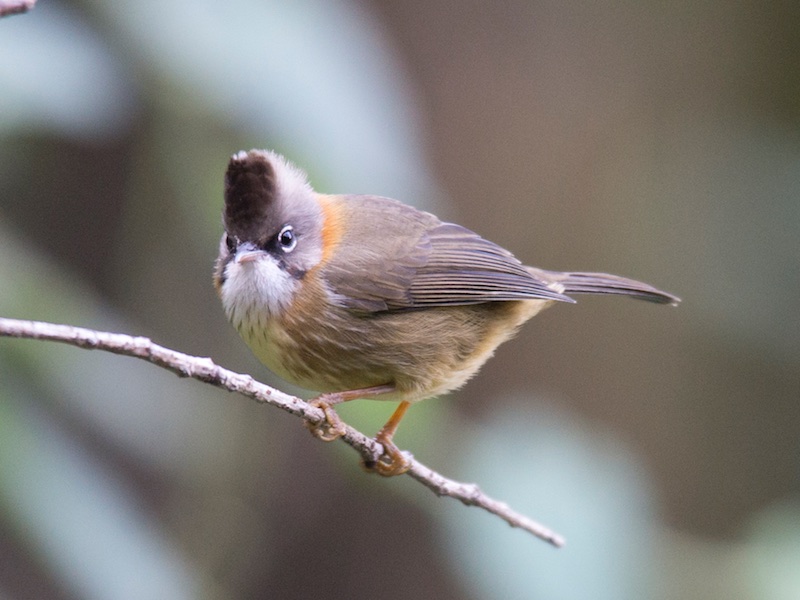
366	297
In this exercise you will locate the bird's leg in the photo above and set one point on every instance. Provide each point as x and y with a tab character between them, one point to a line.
332	427
392	462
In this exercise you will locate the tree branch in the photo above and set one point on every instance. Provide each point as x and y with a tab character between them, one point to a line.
204	369
15	7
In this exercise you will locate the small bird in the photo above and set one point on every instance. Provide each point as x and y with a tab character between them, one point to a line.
366	297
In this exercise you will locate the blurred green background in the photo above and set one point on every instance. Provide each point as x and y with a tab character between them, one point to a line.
655	140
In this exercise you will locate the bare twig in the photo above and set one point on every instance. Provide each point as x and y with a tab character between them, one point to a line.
15	7
204	369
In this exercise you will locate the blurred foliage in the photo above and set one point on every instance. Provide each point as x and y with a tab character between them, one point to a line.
605	510
656	141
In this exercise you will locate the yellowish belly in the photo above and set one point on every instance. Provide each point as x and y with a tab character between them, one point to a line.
423	353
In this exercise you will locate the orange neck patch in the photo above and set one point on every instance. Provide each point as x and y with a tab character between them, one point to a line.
332	226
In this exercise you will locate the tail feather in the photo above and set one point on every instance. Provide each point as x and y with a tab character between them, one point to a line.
603	283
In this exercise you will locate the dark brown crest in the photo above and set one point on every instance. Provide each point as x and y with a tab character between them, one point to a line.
250	191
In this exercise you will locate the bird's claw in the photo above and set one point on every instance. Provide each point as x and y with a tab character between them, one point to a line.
392	462
331	427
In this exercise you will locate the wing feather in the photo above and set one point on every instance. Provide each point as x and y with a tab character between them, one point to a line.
414	261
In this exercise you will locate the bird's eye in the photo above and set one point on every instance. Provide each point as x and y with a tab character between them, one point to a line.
287	239
230	243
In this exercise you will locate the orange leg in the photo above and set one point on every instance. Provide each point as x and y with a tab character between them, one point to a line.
392	462
332	427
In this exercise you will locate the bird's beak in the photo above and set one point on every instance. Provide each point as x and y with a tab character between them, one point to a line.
247	252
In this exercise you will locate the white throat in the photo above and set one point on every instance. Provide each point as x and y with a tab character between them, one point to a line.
255	292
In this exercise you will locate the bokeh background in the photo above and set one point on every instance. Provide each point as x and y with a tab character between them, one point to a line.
655	140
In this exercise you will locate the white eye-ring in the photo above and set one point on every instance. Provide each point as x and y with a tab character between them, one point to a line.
287	239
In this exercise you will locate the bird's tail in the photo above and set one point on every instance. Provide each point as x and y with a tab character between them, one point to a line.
603	283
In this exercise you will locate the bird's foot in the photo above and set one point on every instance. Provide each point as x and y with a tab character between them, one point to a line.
331	427
392	462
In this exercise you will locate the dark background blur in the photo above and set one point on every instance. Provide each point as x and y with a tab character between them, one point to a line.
655	140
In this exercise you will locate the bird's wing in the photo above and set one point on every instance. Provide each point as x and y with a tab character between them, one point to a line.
400	258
